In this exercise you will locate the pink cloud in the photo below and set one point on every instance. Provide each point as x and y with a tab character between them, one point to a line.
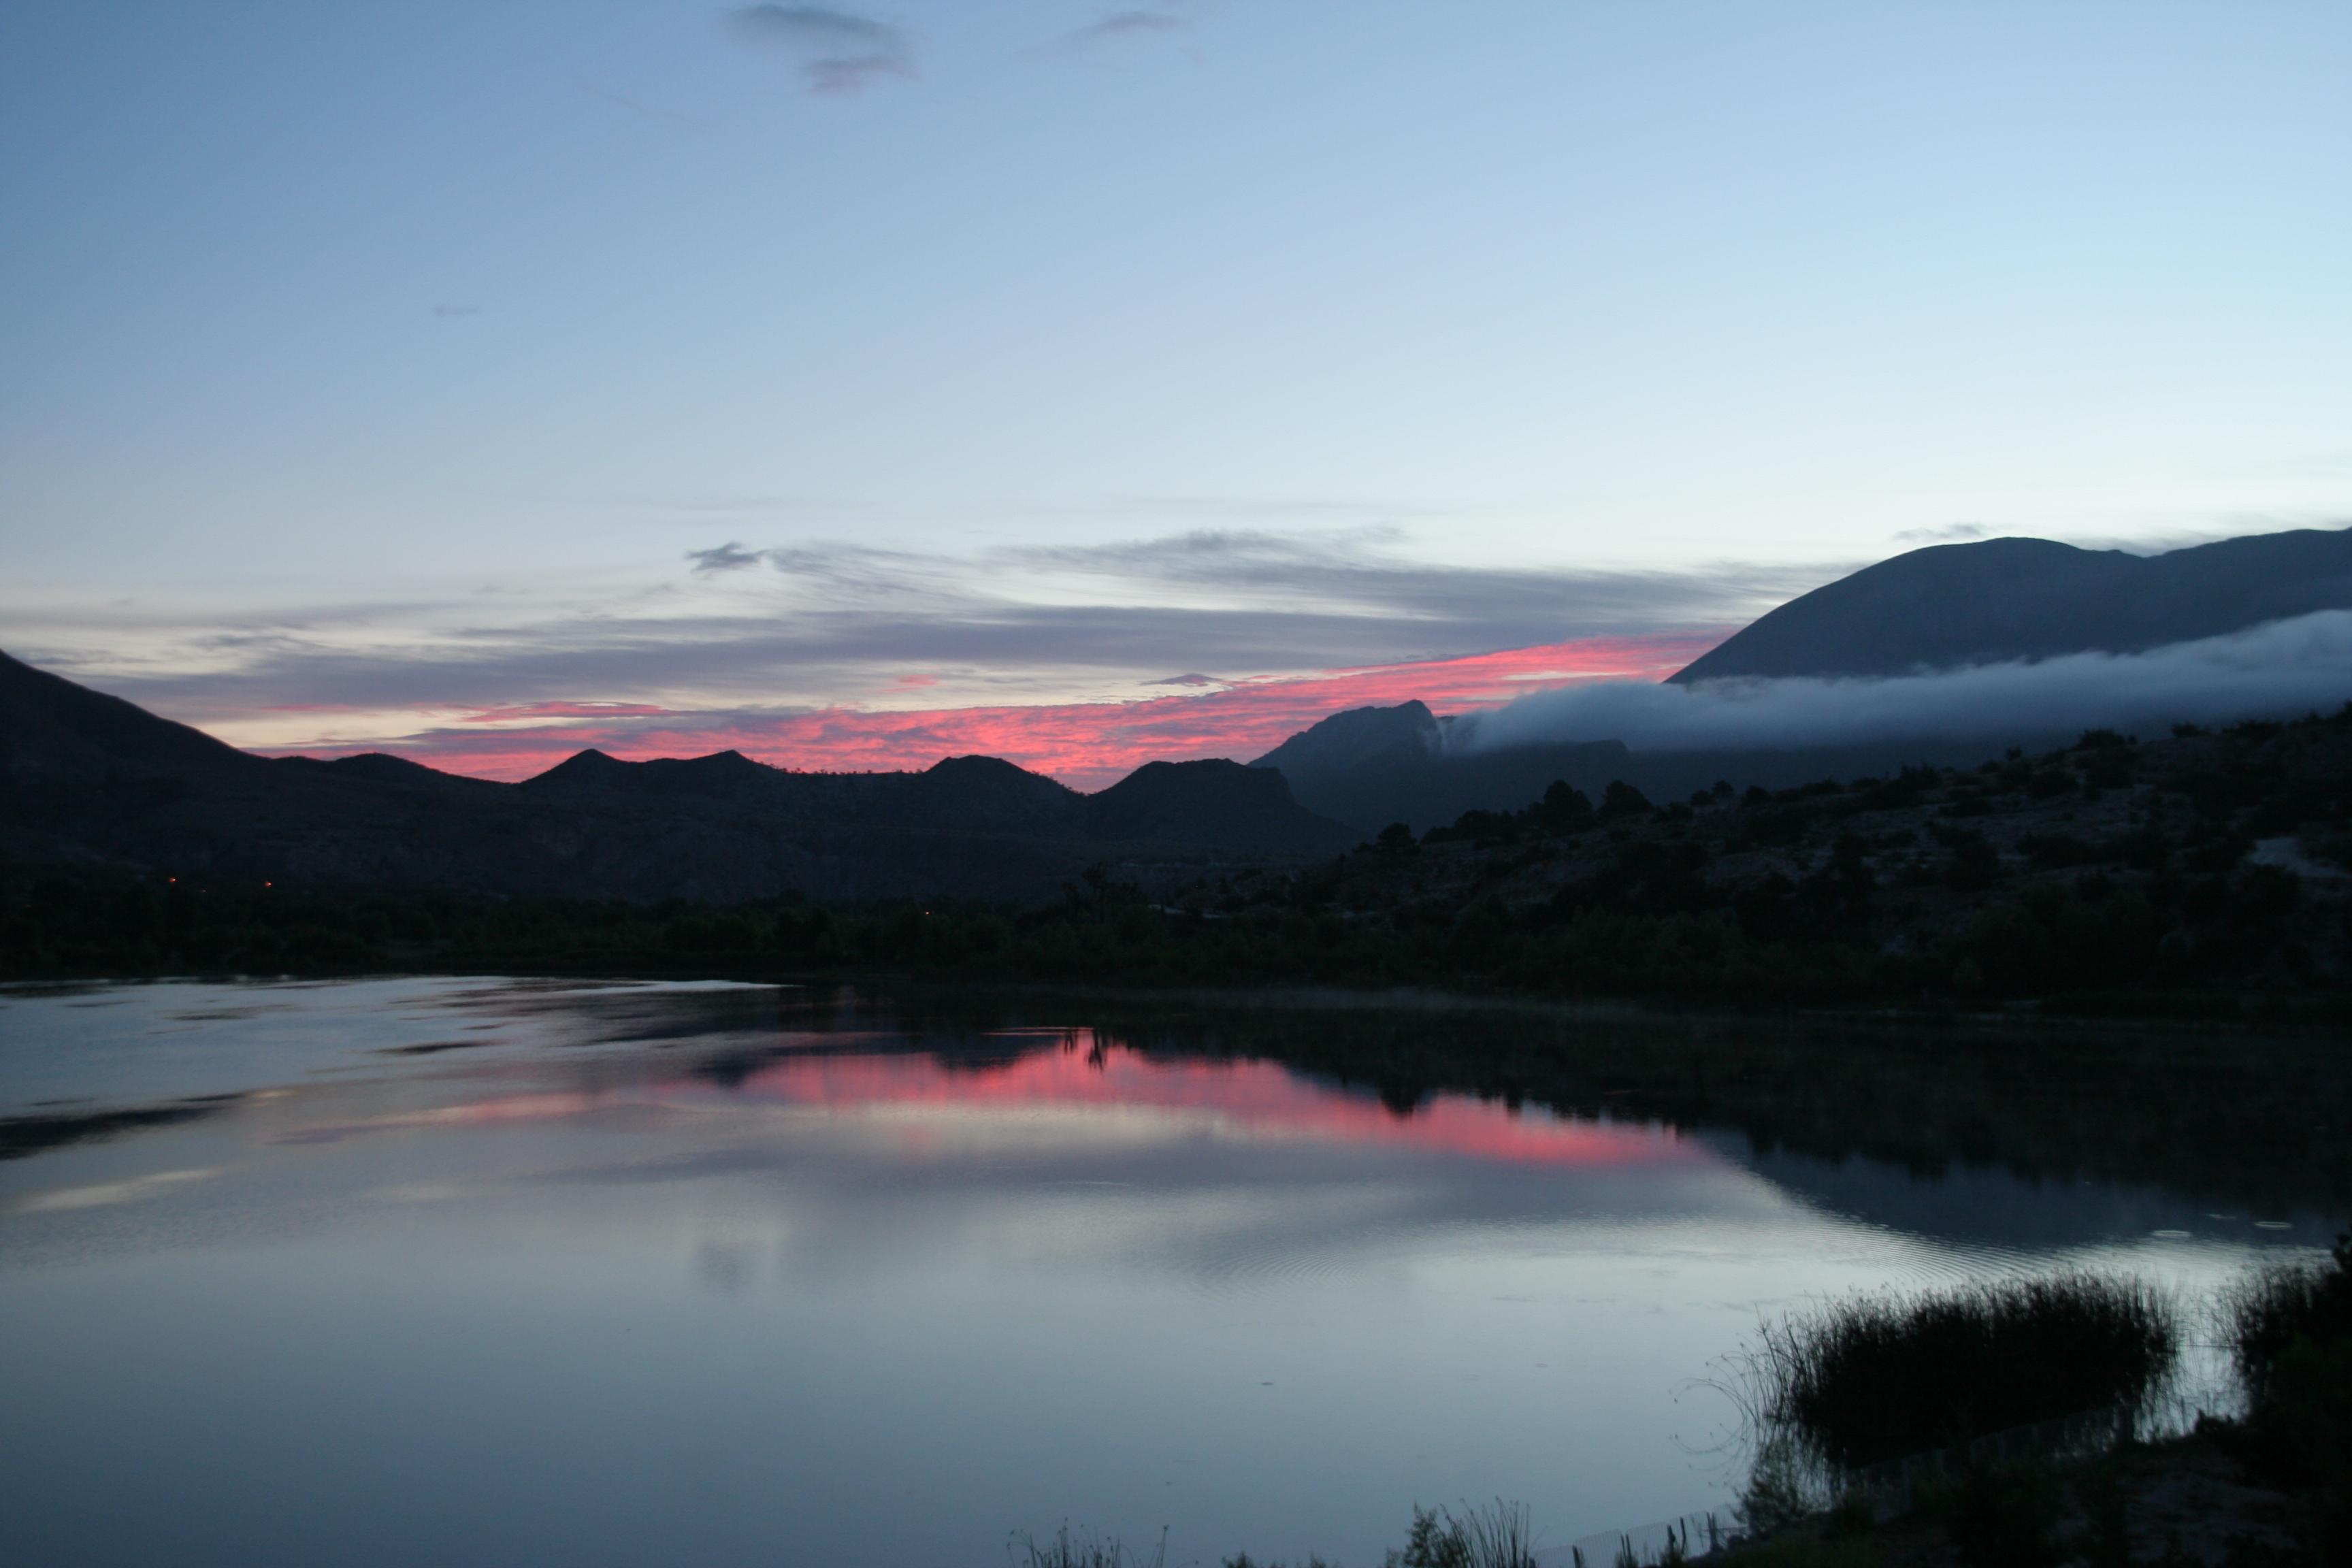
1085	744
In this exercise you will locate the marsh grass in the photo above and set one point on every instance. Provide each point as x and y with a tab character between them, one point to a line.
1877	1378
2274	1308
2290	1333
1066	1550
1491	1535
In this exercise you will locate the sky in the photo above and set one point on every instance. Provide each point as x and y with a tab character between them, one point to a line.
1082	383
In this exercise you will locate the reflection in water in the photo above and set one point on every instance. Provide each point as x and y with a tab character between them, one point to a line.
723	1275
1078	1071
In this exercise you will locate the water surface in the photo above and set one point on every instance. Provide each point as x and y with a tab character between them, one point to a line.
465	1272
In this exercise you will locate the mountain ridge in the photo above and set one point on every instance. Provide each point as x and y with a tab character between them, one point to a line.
85	778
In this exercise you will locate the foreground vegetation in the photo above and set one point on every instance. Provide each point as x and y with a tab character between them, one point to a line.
1862	1379
1874	1378
2196	874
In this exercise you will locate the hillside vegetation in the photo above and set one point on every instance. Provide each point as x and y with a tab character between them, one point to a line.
2195	866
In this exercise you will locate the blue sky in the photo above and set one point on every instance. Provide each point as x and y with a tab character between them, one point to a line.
432	339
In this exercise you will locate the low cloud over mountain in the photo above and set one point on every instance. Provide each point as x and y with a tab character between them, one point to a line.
2286	668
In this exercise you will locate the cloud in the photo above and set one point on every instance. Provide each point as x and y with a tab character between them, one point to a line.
1117	26
728	557
838	50
1949	533
1086	744
825	628
532	712
2286	668
838	623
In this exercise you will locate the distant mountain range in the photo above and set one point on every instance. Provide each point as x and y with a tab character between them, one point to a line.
92	780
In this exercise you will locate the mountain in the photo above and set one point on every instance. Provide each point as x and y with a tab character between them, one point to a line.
1949	605
1333	771
1371	766
1357	737
92	780
2004	599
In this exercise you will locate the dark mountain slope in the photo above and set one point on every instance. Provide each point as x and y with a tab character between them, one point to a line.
52	729
86	779
1370	766
1215	802
2004	599
1353	738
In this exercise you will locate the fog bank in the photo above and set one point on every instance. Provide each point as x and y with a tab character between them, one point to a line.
2284	669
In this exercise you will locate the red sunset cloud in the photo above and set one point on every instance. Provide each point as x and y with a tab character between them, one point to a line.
1085	744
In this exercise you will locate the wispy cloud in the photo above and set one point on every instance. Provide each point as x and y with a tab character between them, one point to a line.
787	631
839	51
728	557
1086	744
1118	25
1949	533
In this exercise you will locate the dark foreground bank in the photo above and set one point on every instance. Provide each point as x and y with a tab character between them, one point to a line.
2197	876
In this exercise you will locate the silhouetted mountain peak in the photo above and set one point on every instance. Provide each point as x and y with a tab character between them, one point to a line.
1357	735
581	767
1215	802
382	767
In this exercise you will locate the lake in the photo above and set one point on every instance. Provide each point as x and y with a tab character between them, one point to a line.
468	1271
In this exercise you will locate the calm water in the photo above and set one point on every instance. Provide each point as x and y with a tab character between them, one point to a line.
462	1272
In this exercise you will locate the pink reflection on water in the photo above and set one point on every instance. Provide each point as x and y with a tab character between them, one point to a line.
1261	1097
1258	1099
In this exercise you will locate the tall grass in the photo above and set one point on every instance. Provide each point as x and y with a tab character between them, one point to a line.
2276	1306
2291	1330
1877	1378
1066	1550
1492	1535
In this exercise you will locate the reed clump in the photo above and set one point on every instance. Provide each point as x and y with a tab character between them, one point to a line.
1492	1535
2291	1332
2283	1306
1875	1378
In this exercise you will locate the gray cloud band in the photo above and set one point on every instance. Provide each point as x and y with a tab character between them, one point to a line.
843	613
2284	669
